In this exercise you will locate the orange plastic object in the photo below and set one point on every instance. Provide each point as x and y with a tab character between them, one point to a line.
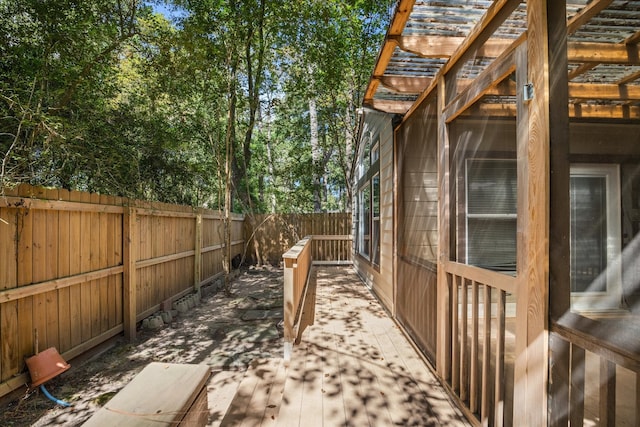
45	366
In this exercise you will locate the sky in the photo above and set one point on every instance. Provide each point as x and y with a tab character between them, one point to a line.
167	10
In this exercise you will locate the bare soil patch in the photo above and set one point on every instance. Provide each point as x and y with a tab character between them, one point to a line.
226	333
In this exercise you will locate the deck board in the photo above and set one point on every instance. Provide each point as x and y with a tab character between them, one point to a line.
354	367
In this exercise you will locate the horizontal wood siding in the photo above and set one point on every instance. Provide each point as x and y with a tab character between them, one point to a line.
62	266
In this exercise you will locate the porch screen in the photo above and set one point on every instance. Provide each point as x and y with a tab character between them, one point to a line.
491	214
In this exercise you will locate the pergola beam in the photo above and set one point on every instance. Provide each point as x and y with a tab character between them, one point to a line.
400	18
390	106
406	84
577	52
576	111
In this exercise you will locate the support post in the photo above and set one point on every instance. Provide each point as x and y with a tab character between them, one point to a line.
443	349
129	255
197	262
289	307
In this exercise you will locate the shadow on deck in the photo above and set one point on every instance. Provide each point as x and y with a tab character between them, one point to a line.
352	367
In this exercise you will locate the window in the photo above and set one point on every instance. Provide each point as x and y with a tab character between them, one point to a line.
595	236
368	204
491	215
375	219
364	202
596	282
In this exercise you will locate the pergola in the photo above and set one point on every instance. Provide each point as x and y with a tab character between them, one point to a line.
561	79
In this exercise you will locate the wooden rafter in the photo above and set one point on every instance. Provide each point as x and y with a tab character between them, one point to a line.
630	78
634	39
585	15
587	54
496	14
580	70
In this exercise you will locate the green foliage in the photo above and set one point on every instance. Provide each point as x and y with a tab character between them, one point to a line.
108	96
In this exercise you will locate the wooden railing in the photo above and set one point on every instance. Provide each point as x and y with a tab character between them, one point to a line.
477	334
298	264
331	249
588	372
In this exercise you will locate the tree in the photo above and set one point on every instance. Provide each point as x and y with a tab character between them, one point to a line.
105	95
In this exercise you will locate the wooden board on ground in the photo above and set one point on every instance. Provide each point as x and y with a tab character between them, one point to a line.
162	394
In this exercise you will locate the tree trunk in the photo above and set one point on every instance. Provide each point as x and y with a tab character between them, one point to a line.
272	177
316	155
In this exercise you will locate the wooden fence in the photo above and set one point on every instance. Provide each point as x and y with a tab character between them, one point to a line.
270	236
81	268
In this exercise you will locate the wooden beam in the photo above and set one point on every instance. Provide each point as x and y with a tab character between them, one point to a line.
604	92
400	17
389	106
499	69
620	112
578	111
371	89
495	15
406	84
492	19
604	53
444	47
585	15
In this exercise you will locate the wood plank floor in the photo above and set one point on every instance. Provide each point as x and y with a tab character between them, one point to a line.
354	367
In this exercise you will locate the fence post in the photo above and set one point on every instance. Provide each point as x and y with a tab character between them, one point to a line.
129	255
197	264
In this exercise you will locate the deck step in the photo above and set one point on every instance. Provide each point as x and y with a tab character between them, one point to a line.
259	395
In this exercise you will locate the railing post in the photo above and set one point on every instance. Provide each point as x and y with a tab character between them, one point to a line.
289	307
197	262
129	255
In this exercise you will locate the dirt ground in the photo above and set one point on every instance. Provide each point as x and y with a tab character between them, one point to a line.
226	333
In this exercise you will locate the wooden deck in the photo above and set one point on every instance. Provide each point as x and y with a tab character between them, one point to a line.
353	367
